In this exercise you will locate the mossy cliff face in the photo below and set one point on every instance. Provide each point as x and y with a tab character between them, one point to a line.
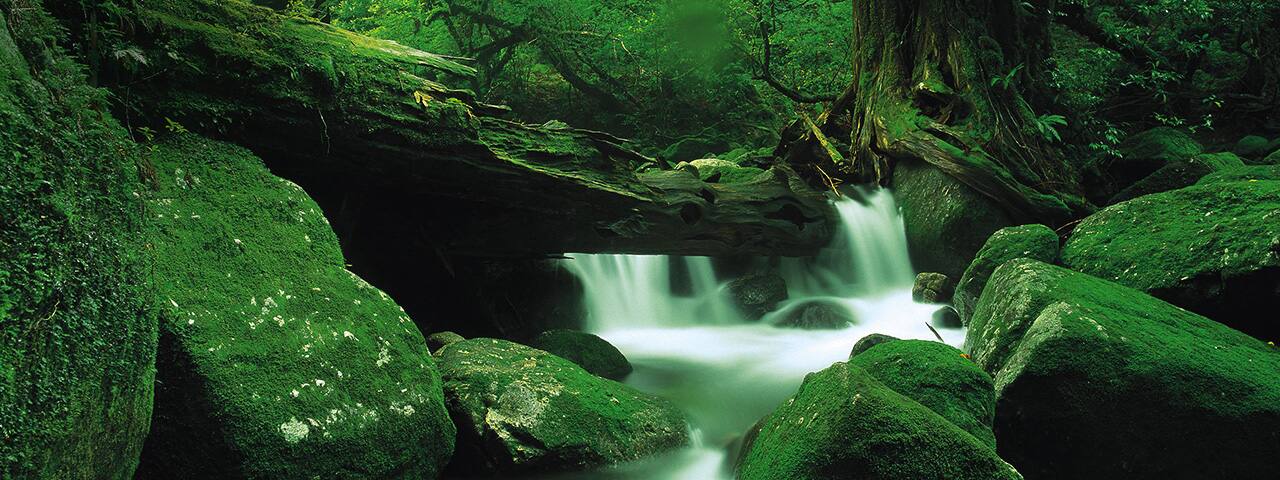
1096	380
1212	248
77	335
520	409
275	361
844	423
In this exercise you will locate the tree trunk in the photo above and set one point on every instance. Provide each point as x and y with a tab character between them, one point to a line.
346	115
938	80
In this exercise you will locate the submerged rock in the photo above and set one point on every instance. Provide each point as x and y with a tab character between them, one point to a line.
1096	380
818	315
1212	248
757	294
1030	241
939	377
590	352
932	288
275	361
946	221
519	410
947	317
844	423
437	341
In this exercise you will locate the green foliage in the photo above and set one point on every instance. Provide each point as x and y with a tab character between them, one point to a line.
1048	126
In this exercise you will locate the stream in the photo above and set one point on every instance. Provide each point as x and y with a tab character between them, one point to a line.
725	371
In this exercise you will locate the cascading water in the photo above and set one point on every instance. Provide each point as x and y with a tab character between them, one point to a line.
727	372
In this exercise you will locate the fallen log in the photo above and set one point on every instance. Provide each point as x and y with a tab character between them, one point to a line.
357	117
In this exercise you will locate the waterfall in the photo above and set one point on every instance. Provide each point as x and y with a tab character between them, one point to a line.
674	320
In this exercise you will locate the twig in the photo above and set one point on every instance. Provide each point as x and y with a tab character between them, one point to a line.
935	332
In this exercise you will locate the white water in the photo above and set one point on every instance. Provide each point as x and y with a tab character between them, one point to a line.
727	372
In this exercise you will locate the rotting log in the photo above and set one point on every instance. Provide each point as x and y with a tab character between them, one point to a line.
358	117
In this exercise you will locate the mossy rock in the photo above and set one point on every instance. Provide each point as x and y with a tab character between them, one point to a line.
1246	173
437	341
590	352
865	343
1030	241
523	410
1145	152
1169	177
1218	161
77	325
1252	146
946	221
723	171
1096	380
939	377
276	362
844	423
689	149
757	294
1212	248
1272	159
933	287
817	315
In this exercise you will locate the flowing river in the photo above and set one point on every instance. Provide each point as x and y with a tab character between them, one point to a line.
691	346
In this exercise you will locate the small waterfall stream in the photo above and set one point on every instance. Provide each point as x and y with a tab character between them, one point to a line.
725	371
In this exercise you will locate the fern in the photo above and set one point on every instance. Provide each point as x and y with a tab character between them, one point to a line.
1048	126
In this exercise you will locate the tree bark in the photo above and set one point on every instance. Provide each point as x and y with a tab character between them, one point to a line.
924	89
345	115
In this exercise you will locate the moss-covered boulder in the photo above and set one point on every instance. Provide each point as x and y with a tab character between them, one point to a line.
1272	159
714	170
939	377
77	326
757	294
1252	146
865	343
1249	172
1030	241
519	410
1145	152
946	221
590	352
1212	248
1173	176
437	341
844	423
1218	161
816	315
1096	380
275	361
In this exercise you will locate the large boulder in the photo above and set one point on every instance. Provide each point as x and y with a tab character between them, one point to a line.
77	330
1252	146
844	423
1212	248
1272	159
590	352
523	410
932	287
946	221
1145	152
275	361
817	315
757	294
1096	380
1250	172
1169	177
1031	241
939	377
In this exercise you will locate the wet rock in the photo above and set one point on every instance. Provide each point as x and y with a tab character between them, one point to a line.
757	294
846	423
1030	241
437	341
1213	248
523	410
590	352
947	317
1097	380
275	361
818	315
939	377
1252	147
869	341
946	221
932	287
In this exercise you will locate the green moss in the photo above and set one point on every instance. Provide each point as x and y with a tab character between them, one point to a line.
1195	247
843	423
77	332
274	356
1128	385
946	221
520	409
591	352
725	171
939	377
1251	146
1165	144
1246	173
1218	161
1031	241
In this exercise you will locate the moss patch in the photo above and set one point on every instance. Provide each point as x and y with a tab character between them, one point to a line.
77	331
276	361
1031	241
